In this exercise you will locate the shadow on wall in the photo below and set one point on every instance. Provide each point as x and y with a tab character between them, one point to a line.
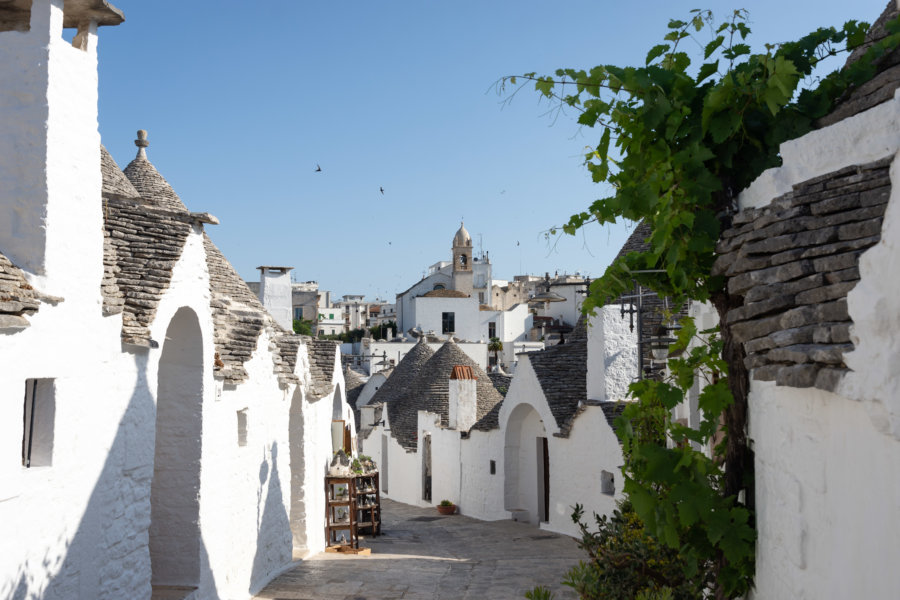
108	555
298	490
273	531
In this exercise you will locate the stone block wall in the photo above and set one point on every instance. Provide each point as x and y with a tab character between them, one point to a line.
794	261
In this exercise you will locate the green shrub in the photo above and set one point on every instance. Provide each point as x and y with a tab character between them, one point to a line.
625	563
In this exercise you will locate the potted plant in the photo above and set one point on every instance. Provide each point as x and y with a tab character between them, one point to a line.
446	507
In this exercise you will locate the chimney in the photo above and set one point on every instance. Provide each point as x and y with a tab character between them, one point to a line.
366	416
275	294
51	221
463	398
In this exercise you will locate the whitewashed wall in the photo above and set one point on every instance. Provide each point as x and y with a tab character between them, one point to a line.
826	492
91	509
567	311
276	294
405	311
427	313
371	386
445	459
576	466
245	493
51	149
481	492
576	462
828	499
397	350
612	355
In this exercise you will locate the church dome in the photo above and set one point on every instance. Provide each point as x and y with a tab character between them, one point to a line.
462	237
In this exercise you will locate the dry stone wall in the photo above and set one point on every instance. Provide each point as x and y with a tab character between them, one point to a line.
794	261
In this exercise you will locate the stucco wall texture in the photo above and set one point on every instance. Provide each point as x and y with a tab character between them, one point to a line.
79	523
826	496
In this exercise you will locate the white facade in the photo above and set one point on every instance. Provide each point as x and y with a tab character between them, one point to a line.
146	467
498	474
374	352
568	311
440	279
275	293
330	322
825	463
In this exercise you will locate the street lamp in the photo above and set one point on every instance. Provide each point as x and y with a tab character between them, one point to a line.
547	295
659	344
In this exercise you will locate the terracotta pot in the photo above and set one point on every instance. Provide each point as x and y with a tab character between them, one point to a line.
446	510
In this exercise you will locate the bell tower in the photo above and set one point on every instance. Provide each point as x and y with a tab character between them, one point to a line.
462	261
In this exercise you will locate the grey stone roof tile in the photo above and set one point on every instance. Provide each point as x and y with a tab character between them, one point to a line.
322	357
146	227
404	373
115	183
238	316
141	246
17	298
562	373
152	186
501	382
354	385
794	261
431	391
880	88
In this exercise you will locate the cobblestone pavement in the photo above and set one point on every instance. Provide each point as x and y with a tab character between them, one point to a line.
422	555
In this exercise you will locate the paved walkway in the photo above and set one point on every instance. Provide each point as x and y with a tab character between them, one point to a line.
422	555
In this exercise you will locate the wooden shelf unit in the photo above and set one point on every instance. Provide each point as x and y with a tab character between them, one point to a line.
368	504
351	504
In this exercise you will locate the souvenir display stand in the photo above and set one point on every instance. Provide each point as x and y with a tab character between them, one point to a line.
351	504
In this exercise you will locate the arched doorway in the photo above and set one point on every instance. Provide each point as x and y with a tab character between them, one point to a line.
426	467
175	491
340	428
527	465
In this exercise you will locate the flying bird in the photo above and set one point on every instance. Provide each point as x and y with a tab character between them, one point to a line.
381	189
318	168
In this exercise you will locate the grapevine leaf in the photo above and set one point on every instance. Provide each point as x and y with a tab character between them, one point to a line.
657	51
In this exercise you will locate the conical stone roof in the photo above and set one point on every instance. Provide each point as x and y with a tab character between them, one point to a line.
115	184
353	384
431	391
404	373
152	186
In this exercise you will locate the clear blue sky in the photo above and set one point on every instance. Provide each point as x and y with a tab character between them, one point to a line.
243	99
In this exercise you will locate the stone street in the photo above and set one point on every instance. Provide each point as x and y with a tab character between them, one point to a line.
423	555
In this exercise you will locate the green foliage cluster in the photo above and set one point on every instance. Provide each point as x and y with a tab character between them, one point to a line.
624	562
380	332
679	140
303	326
686	139
355	335
679	491
495	346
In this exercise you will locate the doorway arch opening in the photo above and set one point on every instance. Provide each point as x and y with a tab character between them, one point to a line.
527	465
175	491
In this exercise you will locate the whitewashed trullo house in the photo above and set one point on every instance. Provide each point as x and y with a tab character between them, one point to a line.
158	428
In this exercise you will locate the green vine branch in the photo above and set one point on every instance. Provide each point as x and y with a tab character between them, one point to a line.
679	139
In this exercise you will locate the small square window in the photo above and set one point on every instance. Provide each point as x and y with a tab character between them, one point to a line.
38	421
607	483
448	322
493	467
242	427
